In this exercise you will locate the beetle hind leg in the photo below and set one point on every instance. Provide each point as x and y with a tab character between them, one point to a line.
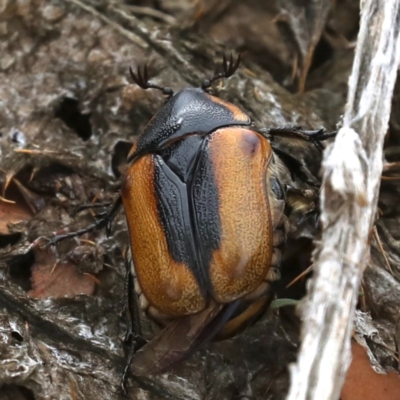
133	336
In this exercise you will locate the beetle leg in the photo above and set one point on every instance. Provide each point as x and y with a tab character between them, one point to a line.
301	139
131	300
133	336
104	220
134	345
90	205
129	359
313	136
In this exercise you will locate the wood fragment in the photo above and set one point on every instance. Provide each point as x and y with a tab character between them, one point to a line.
298	277
352	170
382	250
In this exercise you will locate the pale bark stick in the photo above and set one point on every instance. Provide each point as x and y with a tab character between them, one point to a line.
352	169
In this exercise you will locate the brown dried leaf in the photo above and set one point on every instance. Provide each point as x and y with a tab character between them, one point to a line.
363	383
62	280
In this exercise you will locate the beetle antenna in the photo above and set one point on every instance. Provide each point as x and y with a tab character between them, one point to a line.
229	67
141	78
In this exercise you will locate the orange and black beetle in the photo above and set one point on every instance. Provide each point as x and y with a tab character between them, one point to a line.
204	208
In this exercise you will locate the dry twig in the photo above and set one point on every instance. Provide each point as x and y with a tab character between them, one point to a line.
352	169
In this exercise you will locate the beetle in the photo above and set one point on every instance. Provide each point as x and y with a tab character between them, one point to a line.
205	211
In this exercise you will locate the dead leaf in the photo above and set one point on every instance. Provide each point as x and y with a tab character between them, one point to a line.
363	383
62	280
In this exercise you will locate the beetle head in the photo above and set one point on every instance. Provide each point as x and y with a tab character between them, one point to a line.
191	110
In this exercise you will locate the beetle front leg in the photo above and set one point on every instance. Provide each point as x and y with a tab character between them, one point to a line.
314	136
317	134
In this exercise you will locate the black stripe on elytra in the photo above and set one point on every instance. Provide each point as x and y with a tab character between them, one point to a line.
174	214
187	202
204	205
